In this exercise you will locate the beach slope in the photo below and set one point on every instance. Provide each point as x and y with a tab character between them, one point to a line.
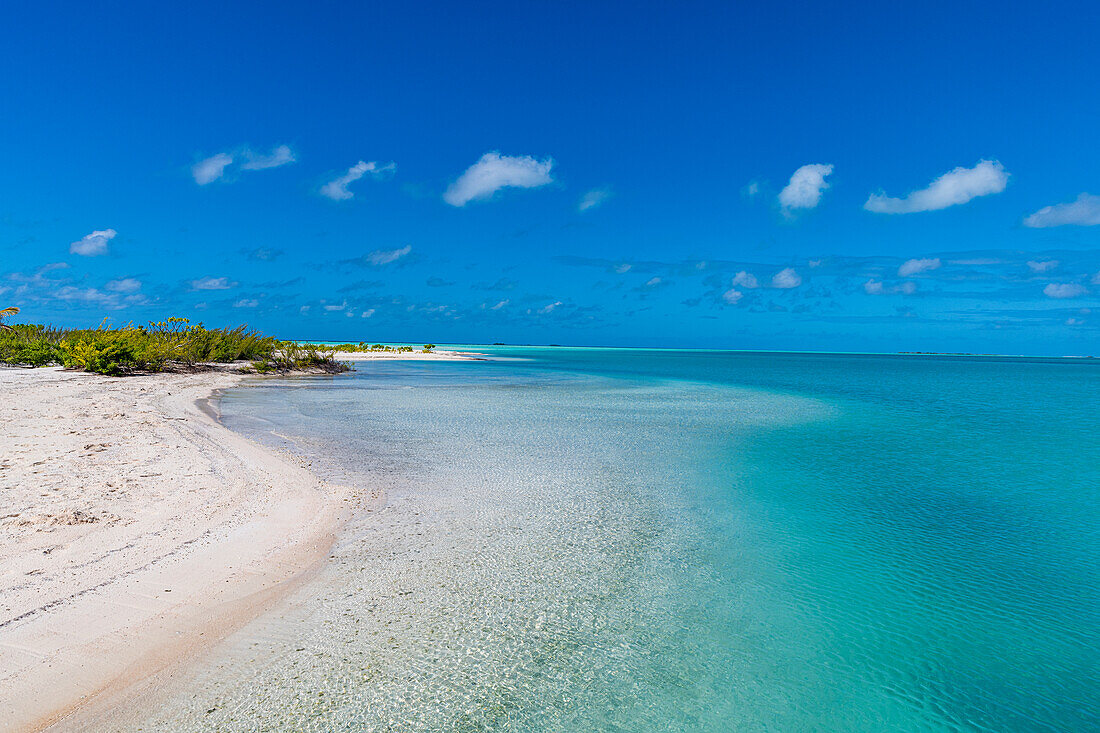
135	531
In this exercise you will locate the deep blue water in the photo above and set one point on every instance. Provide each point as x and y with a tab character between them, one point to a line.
587	539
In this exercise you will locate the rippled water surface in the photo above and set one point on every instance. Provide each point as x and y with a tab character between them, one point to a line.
576	539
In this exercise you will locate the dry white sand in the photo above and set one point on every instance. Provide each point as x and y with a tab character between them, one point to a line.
135	532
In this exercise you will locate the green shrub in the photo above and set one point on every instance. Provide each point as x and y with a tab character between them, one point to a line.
27	345
172	344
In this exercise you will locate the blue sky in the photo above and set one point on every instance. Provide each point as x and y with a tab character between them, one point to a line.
849	177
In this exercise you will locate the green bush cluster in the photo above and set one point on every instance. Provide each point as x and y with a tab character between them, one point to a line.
28	345
290	356
364	346
173	344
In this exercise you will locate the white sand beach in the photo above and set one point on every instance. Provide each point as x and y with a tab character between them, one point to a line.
135	532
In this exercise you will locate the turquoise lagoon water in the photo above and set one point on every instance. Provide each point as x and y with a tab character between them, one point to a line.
586	539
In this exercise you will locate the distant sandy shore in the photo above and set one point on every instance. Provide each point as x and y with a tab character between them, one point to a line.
438	355
135	532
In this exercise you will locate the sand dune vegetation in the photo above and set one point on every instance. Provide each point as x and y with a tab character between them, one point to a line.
172	345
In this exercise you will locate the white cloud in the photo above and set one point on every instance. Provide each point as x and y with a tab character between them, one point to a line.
816	263
549	308
752	189
337	188
124	285
653	282
333	307
593	198
499	305
246	303
88	295
805	188
494	172
917	266
91	245
367	313
1042	265
386	256
786	279
1064	290
954	187
211	169
215	167
874	287
280	155
1085	211
732	295
212	283
745	280
623	268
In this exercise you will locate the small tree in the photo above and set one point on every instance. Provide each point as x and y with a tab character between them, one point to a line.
428	347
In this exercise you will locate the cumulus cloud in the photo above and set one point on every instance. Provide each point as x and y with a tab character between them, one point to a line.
1064	290
786	279
386	256
212	283
954	187
91	245
211	169
337	188
246	303
732	295
1085	211
494	172
124	285
593	198
745	280
805	187
280	155
917	266
623	268
1042	265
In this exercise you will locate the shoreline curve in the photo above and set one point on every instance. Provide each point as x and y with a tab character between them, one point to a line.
137	532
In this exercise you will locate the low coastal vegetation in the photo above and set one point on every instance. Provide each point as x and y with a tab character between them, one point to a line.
365	347
172	345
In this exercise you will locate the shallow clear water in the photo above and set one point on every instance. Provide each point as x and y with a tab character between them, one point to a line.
583	539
